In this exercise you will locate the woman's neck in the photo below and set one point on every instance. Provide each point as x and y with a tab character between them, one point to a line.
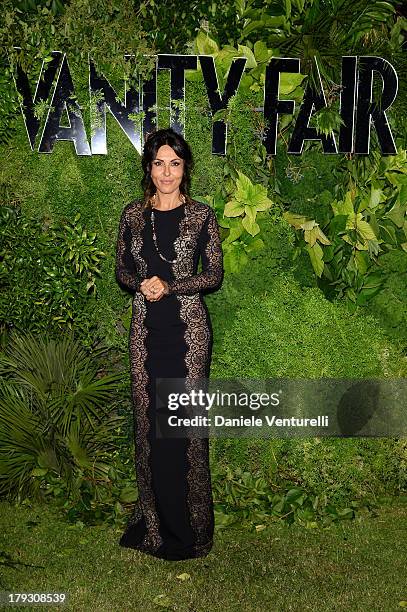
166	201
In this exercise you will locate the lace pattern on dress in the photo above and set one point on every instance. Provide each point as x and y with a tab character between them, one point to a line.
126	273
138	355
197	339
199	219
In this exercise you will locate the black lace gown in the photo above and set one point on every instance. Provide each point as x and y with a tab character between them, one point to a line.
172	338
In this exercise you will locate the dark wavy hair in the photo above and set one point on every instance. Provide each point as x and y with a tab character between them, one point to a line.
154	141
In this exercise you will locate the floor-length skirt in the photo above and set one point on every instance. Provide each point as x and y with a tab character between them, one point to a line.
173	516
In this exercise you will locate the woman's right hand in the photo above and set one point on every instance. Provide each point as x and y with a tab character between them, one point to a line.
154	288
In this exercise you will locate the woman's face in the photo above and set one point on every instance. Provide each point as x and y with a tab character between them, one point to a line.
167	170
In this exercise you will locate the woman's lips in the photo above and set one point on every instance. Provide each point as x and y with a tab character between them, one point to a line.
167	182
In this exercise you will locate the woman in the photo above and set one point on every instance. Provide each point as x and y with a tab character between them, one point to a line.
159	245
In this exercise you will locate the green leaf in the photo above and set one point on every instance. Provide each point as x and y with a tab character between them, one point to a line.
361	261
289	81
128	495
184	576
205	45
316	253
243	187
321	236
279	506
345	207
224	60
250	226
328	254
236	230
260	199
267	21
375	279
403	195
366	294
338	224
312	233
254	245
254	195
308	225
365	230
397	179
355	221
397	214
163	601
293	494
250	212
248	53
246	83
287	5
346	513
327	120
391	233
376	196
224	222
261	52
39	471
233	209
235	257
310	236
294	219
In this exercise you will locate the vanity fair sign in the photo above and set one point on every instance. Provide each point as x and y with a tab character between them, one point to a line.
359	112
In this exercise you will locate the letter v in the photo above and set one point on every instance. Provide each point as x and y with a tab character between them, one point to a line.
42	91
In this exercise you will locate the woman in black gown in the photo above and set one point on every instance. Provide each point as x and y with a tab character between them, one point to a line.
159	245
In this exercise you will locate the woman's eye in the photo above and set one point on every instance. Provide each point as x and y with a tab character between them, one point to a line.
159	163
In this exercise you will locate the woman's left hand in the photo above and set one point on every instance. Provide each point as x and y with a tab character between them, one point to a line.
154	288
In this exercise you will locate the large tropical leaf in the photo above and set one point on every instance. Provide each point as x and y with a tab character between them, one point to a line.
56	416
60	373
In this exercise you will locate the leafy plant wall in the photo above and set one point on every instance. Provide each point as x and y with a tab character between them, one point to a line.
272	311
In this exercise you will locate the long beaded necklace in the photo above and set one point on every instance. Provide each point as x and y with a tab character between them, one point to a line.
171	261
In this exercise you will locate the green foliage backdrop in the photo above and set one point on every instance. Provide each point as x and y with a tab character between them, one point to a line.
270	317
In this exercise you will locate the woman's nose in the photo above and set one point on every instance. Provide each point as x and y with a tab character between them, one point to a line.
166	170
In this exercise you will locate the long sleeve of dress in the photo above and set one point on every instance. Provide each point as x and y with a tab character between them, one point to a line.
126	274
212	261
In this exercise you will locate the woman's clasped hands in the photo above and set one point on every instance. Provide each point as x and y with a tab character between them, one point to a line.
154	288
